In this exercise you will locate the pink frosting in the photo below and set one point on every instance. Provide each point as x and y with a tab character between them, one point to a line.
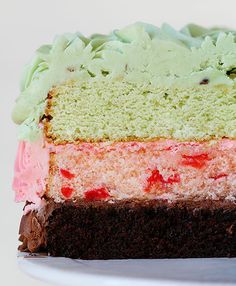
31	172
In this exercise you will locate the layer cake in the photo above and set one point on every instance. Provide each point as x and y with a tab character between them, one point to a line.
127	145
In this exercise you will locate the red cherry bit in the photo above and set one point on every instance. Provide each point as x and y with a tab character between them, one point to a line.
195	161
67	192
67	174
96	194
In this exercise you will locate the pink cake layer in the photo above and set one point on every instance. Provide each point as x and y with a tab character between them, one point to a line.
146	170
162	169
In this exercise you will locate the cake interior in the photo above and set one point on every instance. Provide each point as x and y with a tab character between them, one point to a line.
162	169
118	111
151	229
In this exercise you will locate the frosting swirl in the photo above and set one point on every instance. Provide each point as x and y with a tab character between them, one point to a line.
137	53
30	172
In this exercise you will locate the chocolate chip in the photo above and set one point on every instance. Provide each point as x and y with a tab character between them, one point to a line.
105	73
205	81
91	74
71	69
231	73
165	95
48	117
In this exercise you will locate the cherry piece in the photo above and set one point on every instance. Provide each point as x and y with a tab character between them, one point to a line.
67	174
219	176
173	179
67	191
195	161
156	179
96	194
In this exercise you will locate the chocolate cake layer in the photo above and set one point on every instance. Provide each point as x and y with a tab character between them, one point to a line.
150	229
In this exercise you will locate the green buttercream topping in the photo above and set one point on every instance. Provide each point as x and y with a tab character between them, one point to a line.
140	53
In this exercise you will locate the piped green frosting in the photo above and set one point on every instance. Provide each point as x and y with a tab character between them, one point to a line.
140	53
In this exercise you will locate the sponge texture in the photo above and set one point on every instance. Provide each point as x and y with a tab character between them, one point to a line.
121	111
164	169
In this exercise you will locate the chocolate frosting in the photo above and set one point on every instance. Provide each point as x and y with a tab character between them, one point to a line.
33	229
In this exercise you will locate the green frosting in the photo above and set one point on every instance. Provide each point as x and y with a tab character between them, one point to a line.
140	53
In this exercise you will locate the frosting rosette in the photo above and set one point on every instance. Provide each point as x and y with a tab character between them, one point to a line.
30	172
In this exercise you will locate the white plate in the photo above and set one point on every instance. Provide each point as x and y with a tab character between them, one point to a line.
140	272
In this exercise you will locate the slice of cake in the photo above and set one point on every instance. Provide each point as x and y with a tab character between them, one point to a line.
127	145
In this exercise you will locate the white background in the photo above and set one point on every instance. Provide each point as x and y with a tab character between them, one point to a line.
24	26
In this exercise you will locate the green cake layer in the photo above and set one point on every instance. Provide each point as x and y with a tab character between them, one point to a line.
117	110
173	62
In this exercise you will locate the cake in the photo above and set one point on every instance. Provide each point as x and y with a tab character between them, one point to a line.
127	145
